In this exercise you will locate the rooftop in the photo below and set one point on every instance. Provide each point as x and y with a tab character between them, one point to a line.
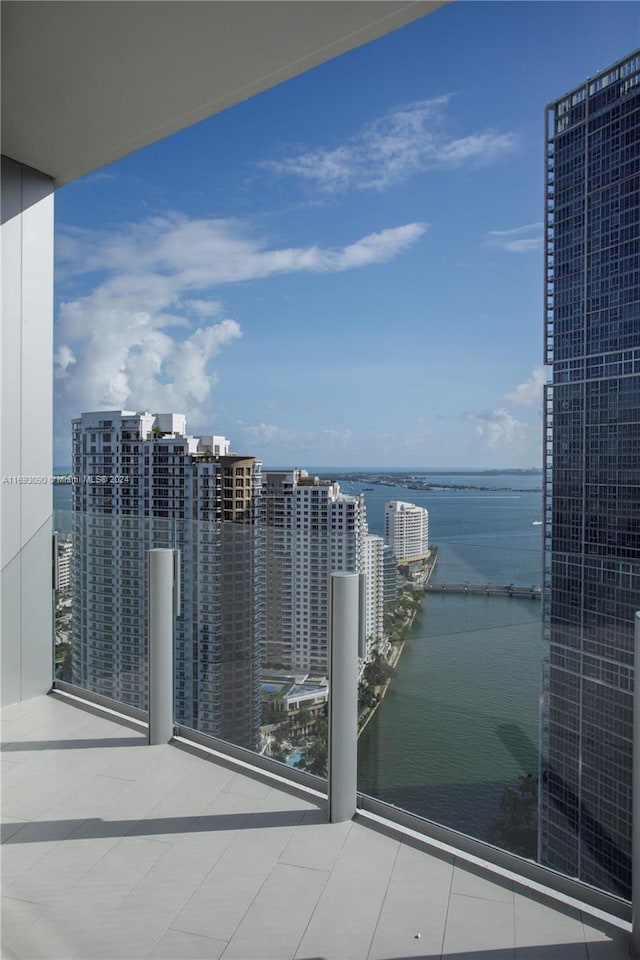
113	848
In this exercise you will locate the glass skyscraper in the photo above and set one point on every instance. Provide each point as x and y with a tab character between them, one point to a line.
592	475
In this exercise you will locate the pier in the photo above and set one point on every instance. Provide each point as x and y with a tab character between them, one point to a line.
485	589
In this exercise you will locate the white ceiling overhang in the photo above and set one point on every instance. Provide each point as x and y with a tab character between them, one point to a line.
85	82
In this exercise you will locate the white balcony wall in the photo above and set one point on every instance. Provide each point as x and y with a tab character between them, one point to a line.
26	437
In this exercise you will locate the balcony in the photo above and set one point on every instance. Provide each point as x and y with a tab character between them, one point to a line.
167	852
114	849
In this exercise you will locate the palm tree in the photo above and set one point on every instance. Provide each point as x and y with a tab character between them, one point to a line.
314	759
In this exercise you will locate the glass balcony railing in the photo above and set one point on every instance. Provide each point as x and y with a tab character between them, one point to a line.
250	653
453	669
458	732
101	602
456	738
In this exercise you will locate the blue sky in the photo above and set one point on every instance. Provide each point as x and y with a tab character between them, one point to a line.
346	269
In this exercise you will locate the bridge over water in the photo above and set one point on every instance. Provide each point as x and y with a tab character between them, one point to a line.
485	589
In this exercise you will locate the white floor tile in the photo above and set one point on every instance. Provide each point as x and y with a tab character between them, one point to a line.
277	919
413	915
18	917
174	945
152	852
475	924
469	882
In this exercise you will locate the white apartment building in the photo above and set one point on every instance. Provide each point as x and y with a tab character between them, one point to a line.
145	482
406	530
311	529
375	579
65	553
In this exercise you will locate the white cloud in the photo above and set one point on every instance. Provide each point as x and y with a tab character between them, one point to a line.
124	358
530	392
407	140
163	256
262	433
203	308
62	360
420	436
146	330
101	176
525	239
269	435
500	430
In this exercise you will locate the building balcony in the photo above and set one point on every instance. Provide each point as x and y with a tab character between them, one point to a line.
113	848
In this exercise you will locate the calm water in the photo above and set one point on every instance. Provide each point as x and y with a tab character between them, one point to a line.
460	720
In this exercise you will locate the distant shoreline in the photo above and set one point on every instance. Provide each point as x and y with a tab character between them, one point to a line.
409	481
416	471
358	472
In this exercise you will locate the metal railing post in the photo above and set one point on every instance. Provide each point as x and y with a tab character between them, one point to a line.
635	797
162	611
343	695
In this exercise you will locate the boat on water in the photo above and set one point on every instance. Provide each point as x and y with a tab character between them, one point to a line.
537	523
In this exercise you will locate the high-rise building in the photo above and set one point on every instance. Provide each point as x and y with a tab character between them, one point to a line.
592	475
406	531
311	529
374	577
65	555
391	578
144	482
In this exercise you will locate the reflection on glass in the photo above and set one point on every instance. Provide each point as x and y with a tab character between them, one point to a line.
62	602
455	736
218	635
108	602
592	411
298	736
311	529
448	695
455	739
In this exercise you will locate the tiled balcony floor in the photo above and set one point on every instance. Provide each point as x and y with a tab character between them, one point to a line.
113	848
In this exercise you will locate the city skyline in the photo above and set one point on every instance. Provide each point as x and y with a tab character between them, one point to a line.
344	270
256	554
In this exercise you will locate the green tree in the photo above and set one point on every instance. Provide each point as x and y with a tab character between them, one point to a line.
270	714
278	751
285	729
315	757
366	697
304	720
63	661
377	671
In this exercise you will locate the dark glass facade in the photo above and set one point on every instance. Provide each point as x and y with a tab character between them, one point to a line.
592	476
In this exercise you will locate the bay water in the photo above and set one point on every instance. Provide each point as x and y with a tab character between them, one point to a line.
460	721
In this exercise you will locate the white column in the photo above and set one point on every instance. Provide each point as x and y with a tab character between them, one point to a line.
162	611
343	695
26	431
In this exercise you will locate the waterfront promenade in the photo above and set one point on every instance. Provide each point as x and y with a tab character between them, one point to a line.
484	589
